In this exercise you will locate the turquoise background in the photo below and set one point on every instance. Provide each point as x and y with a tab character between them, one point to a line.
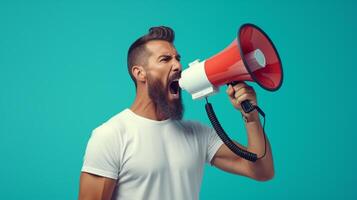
63	72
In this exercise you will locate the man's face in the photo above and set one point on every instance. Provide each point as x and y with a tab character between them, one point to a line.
163	71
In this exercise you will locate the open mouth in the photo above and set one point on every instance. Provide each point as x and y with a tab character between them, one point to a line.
174	88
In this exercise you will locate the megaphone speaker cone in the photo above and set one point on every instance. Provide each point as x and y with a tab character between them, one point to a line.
252	38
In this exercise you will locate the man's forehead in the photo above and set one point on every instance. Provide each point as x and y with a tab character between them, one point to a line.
161	47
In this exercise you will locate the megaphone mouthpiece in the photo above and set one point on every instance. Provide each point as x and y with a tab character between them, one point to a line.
195	81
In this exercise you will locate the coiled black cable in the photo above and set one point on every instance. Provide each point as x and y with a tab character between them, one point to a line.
227	140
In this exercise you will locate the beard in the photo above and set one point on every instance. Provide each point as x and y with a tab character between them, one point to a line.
164	106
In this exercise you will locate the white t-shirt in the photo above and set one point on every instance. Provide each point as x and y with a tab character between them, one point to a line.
150	159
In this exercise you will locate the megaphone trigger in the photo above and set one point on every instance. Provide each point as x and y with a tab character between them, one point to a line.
247	106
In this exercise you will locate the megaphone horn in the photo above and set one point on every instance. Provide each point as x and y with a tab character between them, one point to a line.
250	57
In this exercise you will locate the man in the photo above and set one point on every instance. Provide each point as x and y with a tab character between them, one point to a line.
147	151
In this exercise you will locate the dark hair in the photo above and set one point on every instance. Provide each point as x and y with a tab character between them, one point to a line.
138	54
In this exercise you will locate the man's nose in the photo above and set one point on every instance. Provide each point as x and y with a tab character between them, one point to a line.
177	67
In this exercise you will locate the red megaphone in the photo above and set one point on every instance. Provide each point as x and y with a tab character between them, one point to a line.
250	57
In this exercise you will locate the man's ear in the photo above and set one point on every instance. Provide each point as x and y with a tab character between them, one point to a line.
139	73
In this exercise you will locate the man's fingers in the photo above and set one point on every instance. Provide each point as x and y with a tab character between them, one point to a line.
239	94
244	90
230	91
239	85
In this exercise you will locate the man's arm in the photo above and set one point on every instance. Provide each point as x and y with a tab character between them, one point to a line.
95	187
225	159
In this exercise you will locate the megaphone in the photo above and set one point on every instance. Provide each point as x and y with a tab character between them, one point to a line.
251	56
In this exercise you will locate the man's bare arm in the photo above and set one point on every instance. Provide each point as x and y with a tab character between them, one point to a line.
95	187
262	169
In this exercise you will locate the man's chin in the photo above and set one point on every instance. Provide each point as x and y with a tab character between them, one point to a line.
174	109
177	109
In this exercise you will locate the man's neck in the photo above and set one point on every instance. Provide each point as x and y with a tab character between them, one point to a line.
145	107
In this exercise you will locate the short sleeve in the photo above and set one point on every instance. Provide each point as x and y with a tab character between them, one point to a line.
213	144
211	141
102	156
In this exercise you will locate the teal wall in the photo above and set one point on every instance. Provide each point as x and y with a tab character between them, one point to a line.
63	72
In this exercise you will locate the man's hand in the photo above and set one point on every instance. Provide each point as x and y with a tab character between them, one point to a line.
239	93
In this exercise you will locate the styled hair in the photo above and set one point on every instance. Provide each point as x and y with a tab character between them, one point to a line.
138	53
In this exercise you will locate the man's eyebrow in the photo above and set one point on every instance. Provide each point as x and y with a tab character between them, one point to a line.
164	56
177	56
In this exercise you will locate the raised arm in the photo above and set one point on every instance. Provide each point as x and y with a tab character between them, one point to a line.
225	159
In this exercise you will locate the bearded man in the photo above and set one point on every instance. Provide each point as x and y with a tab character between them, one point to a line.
148	151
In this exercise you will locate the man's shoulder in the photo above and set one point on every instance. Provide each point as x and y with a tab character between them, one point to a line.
113	126
189	123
